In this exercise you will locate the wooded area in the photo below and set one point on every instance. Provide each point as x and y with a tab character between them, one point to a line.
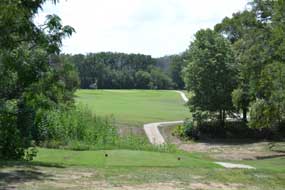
120	71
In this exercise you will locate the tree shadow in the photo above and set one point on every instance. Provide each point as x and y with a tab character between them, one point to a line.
13	173
29	164
10	179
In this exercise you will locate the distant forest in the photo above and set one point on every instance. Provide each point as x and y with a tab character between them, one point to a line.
107	70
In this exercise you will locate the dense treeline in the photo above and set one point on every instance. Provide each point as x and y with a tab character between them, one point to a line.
239	68
109	70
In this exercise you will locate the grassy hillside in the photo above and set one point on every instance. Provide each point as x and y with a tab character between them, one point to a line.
135	107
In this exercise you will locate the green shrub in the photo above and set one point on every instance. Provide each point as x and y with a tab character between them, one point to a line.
187	131
231	130
179	131
58	128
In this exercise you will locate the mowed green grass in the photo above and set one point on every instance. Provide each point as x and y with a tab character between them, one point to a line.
135	107
121	158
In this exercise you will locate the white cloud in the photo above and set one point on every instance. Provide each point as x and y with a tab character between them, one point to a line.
155	27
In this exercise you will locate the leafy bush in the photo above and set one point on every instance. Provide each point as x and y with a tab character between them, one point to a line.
187	131
263	114
231	130
61	127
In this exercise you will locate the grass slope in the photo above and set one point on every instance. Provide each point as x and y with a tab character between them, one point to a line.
121	158
135	107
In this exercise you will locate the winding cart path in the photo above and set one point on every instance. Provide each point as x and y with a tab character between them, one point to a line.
152	131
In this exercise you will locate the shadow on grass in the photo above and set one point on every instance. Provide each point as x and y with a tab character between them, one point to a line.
28	164
10	179
13	173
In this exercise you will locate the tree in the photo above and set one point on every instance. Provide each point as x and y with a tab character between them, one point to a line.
176	66
142	79
257	36
210	73
269	111
32	81
239	30
120	71
159	80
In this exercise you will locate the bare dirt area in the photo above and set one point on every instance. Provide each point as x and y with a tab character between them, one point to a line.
178	186
228	149
73	179
204	186
233	150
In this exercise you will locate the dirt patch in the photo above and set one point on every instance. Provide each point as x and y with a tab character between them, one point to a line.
150	186
231	151
204	186
227	150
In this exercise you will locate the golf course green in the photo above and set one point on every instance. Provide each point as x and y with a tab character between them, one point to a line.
135	107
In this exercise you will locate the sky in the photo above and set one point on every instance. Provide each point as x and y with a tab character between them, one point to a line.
152	27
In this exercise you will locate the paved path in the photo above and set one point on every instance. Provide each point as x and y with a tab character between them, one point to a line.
152	131
183	96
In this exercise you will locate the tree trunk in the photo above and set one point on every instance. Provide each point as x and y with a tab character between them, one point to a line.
244	114
222	119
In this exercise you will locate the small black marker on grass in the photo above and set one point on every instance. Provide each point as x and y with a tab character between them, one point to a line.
106	155
178	158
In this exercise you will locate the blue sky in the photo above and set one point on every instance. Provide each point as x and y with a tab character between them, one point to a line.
153	27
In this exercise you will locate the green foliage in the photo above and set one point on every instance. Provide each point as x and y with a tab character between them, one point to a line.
211	73
28	77
269	111
159	80
187	131
108	70
176	66
76	124
142	79
240	98
8	130
262	114
257	36
14	139
231	130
